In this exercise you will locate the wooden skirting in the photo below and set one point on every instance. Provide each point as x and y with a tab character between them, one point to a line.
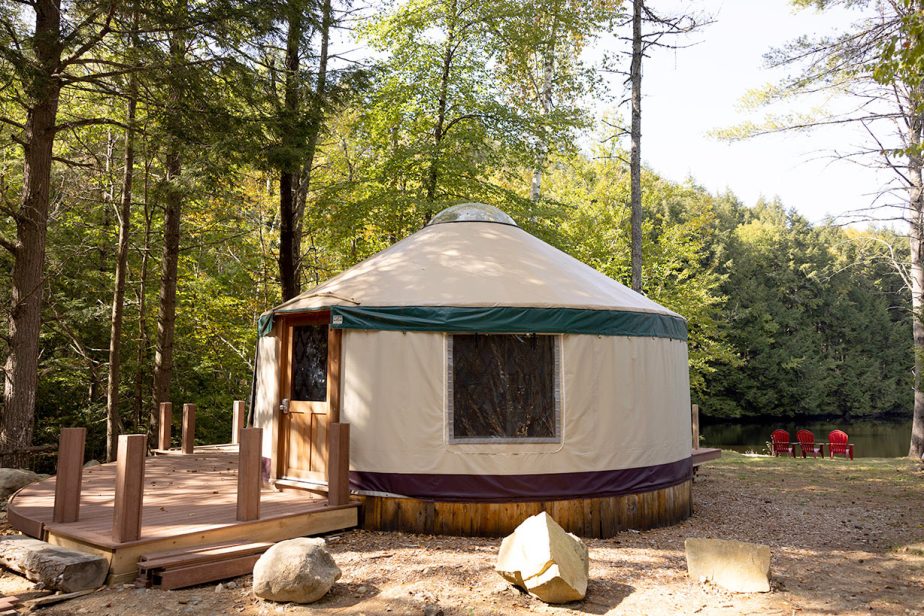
586	517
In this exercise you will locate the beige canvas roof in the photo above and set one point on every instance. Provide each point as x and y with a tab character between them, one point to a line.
472	263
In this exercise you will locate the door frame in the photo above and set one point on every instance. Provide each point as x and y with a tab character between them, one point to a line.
330	407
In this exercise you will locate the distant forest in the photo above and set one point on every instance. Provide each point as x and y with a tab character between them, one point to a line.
170	170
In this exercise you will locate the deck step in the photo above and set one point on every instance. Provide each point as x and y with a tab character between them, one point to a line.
198	565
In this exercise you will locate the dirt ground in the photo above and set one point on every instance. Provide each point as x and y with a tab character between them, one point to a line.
838	532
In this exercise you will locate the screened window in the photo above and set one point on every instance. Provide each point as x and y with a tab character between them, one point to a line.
504	387
309	362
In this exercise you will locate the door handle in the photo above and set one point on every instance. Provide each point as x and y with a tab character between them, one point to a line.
284	406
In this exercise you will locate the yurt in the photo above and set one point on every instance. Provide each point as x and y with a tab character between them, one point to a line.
485	376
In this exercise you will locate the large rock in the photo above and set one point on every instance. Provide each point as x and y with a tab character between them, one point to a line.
543	559
11	479
297	571
735	565
55	567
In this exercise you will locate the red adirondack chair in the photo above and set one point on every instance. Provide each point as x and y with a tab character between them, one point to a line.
779	440
807	444
838	445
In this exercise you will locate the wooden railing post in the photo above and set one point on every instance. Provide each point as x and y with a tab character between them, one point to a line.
238	415
694	420
129	488
166	425
69	474
338	464
189	428
249	471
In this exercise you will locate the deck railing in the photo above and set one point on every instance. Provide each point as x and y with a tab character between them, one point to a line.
130	467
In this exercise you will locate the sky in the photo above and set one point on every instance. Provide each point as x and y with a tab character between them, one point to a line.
690	92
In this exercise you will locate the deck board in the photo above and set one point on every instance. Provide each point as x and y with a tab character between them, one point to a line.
183	494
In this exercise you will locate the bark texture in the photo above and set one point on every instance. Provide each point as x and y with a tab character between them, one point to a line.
288	258
21	367
316	120
635	153
173	205
166	318
113	419
916	235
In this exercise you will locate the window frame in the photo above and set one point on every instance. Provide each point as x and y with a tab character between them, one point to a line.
557	397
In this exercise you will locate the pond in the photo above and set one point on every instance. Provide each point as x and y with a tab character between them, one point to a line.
872	439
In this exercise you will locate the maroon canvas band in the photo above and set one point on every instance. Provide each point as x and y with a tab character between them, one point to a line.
506	488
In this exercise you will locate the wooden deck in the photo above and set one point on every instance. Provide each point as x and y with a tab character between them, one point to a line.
189	500
705	454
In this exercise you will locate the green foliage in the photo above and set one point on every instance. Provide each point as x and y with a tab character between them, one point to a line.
818	316
785	318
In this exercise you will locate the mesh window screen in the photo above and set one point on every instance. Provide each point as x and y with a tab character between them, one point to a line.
309	363
503	387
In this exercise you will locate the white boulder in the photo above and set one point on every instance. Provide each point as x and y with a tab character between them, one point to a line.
734	565
295	571
545	561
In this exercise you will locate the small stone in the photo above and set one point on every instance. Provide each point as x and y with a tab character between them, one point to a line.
433	610
91	464
362	590
231	585
220	587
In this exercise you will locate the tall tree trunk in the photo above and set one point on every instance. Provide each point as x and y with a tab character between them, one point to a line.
288	274
166	317
142	354
21	368
635	154
916	233
317	120
173	205
548	69
113	419
441	104
916	448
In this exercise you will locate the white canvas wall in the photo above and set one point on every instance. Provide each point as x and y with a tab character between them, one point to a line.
626	404
267	400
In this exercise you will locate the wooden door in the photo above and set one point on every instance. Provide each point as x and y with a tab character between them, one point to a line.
310	391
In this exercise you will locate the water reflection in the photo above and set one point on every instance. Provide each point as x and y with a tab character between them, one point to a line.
872	439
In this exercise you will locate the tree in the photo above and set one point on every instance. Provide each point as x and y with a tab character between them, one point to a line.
436	123
299	95
659	27
679	234
875	66
541	45
123	214
40	62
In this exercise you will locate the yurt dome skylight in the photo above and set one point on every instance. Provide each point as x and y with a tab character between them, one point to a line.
472	212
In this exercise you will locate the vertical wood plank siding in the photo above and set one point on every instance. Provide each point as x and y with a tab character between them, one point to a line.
587	517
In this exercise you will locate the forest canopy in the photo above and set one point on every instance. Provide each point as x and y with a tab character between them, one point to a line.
228	154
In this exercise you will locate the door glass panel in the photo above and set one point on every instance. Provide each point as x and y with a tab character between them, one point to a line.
309	363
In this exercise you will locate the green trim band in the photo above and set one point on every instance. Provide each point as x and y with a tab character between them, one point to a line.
509	320
265	324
